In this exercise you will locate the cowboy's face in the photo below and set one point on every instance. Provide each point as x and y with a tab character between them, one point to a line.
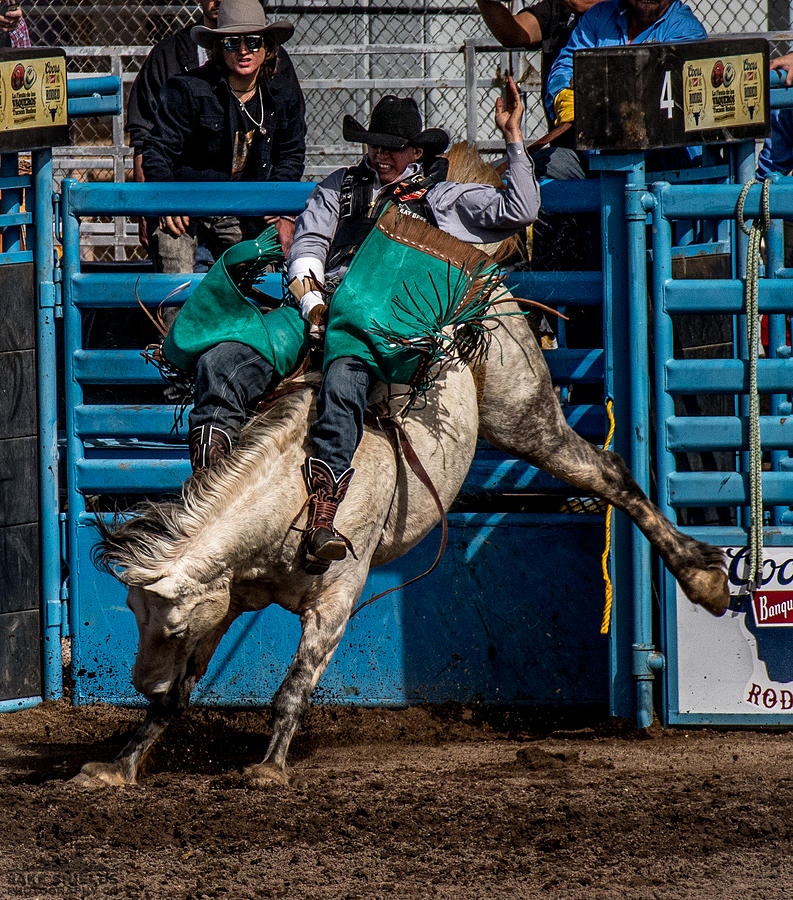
390	164
210	10
245	61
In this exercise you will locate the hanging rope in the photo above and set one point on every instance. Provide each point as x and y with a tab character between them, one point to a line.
604	559
755	234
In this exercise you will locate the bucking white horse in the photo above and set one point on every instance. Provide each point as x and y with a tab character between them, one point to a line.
193	565
230	545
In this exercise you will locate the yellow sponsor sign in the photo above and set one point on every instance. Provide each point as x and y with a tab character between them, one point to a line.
723	92
32	93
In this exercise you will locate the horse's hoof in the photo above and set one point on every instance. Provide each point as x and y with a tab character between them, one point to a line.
708	588
99	775
265	774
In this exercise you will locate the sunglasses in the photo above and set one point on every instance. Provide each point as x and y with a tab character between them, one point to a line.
234	43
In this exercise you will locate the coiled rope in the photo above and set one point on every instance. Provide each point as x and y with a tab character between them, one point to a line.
604	559
758	230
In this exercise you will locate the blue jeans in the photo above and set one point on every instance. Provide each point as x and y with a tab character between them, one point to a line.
230	380
341	403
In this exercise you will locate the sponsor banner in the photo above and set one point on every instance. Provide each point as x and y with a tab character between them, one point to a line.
32	93
33	98
743	661
723	92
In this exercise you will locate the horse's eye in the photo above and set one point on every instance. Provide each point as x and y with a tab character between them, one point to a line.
177	635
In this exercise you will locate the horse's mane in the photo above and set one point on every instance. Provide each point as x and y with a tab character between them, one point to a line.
139	548
467	166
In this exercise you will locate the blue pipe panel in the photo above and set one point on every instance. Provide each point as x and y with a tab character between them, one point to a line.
213	199
725	376
718	201
725	433
89	85
694	295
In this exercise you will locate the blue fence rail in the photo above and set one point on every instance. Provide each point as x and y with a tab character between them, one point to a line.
723	488
675	377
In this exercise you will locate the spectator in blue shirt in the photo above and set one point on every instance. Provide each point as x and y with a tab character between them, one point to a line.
615	23
777	152
611	23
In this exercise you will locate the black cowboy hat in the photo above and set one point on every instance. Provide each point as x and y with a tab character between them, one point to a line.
241	17
395	124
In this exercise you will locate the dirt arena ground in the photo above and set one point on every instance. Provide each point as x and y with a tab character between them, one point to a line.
430	802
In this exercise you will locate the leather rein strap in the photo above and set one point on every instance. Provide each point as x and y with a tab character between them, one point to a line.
548	138
388	423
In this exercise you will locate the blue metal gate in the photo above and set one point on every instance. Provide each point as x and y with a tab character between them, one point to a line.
738	670
31	609
510	616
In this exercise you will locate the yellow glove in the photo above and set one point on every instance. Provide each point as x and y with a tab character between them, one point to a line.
563	106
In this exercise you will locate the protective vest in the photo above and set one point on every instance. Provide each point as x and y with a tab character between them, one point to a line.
357	216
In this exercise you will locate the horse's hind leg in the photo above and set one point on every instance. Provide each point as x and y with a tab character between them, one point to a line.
323	626
520	414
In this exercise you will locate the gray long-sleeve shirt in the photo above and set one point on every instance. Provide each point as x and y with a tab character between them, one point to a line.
476	213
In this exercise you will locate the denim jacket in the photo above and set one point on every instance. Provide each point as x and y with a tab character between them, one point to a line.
193	134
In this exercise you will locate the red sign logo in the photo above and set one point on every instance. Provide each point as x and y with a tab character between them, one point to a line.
773	608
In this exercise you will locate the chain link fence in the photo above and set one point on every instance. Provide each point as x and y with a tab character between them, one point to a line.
347	55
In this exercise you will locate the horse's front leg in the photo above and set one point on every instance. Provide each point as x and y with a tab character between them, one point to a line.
323	626
123	770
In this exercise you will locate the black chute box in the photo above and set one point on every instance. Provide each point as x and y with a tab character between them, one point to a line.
651	96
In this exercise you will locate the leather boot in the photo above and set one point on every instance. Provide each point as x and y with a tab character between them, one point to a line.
322	543
208	445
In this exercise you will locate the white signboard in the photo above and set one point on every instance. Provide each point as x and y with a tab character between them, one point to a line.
743	661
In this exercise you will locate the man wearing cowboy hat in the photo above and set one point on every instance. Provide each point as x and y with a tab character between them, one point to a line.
232	119
401	165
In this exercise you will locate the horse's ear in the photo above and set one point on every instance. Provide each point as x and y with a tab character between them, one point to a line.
182	590
171	587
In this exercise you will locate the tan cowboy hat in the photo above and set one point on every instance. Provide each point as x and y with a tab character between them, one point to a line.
241	17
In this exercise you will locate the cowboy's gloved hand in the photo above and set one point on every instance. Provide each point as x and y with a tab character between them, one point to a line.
318	319
563	106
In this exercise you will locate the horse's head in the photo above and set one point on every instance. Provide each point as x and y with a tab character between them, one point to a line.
179	625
